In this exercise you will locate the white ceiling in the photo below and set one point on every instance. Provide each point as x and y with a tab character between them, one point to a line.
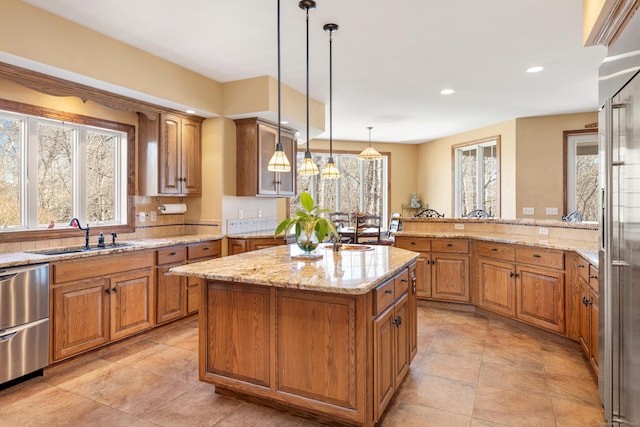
390	59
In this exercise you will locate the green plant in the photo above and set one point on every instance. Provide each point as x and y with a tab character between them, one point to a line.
307	222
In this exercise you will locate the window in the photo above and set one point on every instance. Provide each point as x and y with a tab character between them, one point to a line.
581	173
52	170
477	177
362	185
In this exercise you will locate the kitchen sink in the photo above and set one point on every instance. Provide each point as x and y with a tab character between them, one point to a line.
350	247
79	249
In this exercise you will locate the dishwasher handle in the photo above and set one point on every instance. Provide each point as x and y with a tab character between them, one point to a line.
6	277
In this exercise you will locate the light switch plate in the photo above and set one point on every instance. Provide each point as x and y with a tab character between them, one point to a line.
552	211
528	211
142	216
152	216
544	231
458	226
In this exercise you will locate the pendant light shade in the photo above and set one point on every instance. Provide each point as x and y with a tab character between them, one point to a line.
330	171
369	153
279	161
308	166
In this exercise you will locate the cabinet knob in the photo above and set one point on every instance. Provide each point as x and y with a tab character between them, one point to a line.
397	321
114	289
108	291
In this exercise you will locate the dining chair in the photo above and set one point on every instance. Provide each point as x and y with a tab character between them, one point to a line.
341	221
367	228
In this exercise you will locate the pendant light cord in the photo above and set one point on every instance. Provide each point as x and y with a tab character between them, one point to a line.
279	99
330	94
307	8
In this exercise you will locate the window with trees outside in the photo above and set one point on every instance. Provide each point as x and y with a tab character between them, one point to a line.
52	171
362	186
581	173
477	177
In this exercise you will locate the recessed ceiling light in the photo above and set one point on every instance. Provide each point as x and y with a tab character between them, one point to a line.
535	69
447	91
190	111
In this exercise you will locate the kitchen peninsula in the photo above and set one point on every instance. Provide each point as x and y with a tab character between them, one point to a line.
332	338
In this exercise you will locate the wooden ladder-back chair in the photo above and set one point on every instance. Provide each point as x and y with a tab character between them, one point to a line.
341	221
367	227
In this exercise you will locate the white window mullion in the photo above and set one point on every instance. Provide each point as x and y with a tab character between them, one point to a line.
29	205
79	175
480	177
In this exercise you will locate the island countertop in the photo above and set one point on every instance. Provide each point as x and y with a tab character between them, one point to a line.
344	272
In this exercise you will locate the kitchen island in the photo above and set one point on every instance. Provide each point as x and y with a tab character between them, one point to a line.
332	338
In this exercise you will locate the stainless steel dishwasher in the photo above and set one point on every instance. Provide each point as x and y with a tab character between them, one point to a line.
24	321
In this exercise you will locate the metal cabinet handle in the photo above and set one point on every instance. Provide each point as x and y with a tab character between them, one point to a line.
449	245
404	280
108	291
580	265
494	249
388	291
537	256
397	321
593	276
114	289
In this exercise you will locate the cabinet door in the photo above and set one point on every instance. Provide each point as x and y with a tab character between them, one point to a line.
80	317
584	317
413	320
267	180
402	323
540	298
287	180
593	337
497	287
257	244
170	295
423	275
191	158
383	366
236	246
131	302
170	162
450	277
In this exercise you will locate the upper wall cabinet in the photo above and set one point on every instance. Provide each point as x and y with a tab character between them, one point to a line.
256	141
170	156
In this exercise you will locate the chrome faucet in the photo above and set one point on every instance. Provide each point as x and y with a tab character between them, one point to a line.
75	222
101	240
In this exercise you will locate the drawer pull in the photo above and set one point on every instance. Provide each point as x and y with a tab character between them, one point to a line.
580	265
494	249
537	256
404	280
592	276
205	249
172	254
413	243
388	291
449	245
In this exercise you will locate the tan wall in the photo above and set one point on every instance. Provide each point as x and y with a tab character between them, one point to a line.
540	161
434	170
402	168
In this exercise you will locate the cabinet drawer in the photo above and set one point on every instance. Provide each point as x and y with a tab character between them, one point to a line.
548	258
86	268
203	250
401	283
497	251
457	246
594	281
414	243
383	296
582	267
171	255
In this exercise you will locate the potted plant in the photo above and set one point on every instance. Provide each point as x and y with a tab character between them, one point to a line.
310	227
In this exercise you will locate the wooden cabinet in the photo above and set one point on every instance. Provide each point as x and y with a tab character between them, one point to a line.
90	311
339	355
197	252
583	306
392	337
171	291
522	282
443	267
255	143
170	155
237	246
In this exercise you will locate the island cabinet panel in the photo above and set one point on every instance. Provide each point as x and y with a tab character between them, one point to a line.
325	327
238	316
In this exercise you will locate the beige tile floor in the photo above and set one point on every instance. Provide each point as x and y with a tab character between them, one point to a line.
470	371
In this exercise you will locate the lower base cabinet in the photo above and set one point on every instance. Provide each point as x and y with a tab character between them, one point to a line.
310	350
171	291
89	312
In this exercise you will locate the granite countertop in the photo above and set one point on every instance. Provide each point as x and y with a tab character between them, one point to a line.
343	272
35	256
582	247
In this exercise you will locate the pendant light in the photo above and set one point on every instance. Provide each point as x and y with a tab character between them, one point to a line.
279	161
330	171
369	153
308	166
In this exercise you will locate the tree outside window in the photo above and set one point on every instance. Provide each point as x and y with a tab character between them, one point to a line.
477	177
582	165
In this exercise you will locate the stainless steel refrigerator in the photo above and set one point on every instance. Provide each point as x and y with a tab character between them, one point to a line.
619	321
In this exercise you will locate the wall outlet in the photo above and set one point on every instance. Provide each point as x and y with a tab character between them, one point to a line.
142	216
153	216
240	213
528	211
543	230
552	211
458	226
259	213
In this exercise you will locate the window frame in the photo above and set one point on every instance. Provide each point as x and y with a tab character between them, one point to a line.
387	197
455	185
77	119
566	152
